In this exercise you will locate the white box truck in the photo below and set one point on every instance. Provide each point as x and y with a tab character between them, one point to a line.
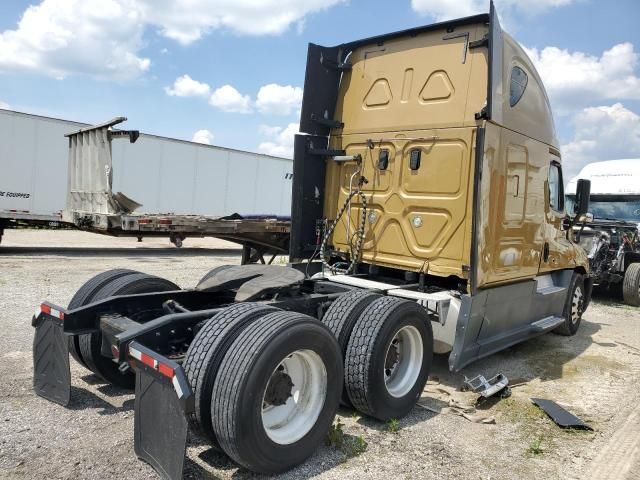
612	239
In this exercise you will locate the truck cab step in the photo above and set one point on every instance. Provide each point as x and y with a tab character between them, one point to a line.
550	290
547	323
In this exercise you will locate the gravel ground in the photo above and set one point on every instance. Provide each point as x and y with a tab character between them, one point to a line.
594	374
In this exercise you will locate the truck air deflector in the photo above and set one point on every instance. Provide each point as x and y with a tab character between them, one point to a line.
494	85
163	400
307	197
51	372
321	82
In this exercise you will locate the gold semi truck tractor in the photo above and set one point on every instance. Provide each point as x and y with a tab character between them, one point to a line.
428	217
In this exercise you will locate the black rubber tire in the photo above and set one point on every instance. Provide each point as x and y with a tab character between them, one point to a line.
569	328
85	295
366	356
631	285
342	315
213	272
91	343
236	407
206	352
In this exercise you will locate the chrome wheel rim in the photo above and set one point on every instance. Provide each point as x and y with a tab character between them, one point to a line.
403	361
294	397
576	305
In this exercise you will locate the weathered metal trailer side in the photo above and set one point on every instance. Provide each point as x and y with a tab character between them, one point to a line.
171	177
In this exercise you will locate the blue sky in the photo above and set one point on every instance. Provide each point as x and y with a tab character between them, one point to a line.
90	60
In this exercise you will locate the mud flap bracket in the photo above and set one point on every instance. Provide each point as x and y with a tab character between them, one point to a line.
163	401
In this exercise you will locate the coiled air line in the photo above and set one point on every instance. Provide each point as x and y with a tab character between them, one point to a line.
346	207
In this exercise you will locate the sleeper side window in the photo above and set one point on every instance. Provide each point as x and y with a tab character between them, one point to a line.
556	189
519	80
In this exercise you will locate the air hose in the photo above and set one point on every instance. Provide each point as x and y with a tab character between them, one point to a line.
355	252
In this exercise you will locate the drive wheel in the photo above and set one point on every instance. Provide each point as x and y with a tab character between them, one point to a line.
342	315
277	392
91	343
206	352
388	358
84	296
573	307
631	285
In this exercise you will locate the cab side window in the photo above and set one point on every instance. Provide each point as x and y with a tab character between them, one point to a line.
519	80
556	189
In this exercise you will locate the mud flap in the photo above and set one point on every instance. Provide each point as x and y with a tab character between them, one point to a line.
51	372
163	400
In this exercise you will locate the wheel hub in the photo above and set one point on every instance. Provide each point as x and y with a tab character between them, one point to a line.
393	356
576	305
403	361
279	388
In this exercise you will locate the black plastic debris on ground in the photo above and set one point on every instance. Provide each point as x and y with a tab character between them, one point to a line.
559	415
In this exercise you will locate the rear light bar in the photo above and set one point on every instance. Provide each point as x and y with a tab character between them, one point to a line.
45	308
160	364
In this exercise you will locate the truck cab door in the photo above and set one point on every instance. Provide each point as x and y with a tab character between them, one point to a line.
557	251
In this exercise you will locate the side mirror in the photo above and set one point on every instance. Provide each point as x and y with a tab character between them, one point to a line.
583	191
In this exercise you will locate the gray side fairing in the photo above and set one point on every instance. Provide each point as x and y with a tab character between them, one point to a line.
499	317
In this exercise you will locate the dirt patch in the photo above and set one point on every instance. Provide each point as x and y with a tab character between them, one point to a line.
594	374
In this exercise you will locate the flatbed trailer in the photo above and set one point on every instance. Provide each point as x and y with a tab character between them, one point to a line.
427	220
93	206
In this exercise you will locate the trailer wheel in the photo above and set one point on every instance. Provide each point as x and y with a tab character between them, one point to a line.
206	352
214	271
85	295
91	343
388	358
342	315
631	285
573	307
277	392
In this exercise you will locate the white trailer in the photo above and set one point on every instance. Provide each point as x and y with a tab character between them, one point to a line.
165	176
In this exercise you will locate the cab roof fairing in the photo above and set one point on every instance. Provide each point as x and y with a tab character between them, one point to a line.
534	120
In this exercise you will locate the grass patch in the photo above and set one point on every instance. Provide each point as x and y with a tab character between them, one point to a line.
335	437
393	425
535	447
350	445
355	446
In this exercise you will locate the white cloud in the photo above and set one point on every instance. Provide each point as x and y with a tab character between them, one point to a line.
203	136
601	133
4	105
228	99
101	38
188	20
279	140
104	38
279	99
185	86
573	79
450	9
